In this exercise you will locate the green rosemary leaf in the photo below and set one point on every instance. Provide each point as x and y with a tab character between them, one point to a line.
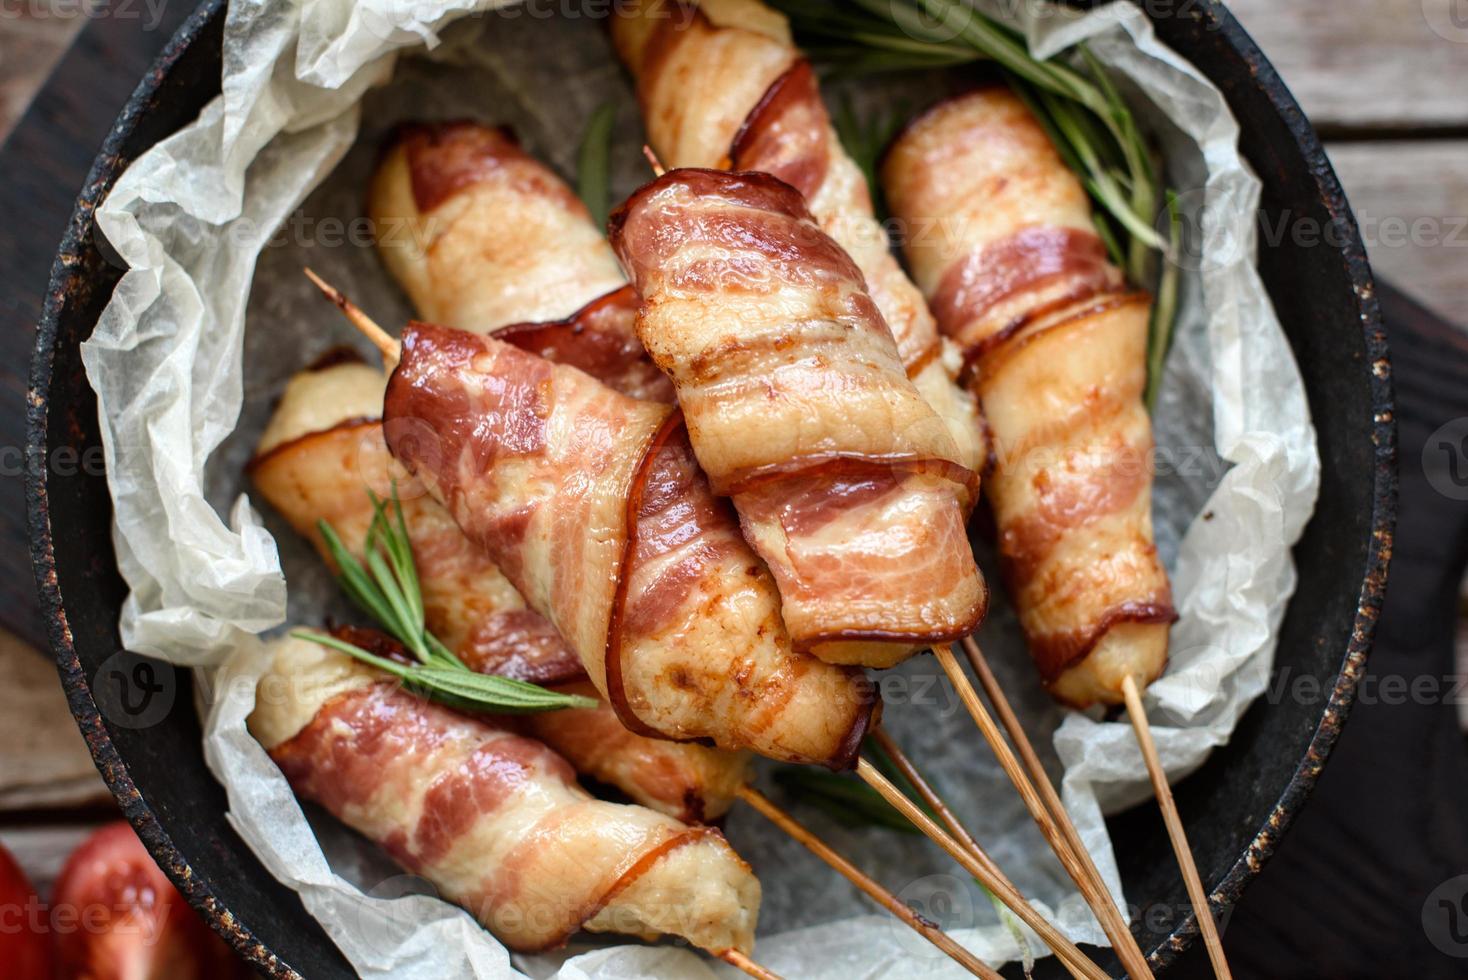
381	663
1080	106
846	800
505	694
391	536
1164	308
864	141
353	578
594	163
390	591
845	61
443	654
458	687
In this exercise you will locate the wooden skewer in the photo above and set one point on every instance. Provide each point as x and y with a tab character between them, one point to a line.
925	790
861	880
736	958
1084	874
1201	909
380	338
982	867
935	803
652	158
1106	909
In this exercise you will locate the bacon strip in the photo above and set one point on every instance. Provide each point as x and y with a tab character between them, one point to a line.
309	474
600	339
722	85
494	820
1057	354
480	234
537	463
798	407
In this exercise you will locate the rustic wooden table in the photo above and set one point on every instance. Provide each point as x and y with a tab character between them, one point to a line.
1352	891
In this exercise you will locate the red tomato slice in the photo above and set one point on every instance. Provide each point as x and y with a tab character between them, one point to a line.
24	949
116	916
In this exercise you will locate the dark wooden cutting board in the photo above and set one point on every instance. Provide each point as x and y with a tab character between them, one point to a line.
1363	885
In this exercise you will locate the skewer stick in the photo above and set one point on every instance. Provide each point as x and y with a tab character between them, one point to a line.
869	887
1201	909
925	790
982	867
652	159
736	958
1107	913
1084	874
380	338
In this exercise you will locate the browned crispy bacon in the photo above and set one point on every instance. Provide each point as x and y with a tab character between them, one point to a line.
1056	350
571	488
722	85
600	339
494	820
845	479
480	234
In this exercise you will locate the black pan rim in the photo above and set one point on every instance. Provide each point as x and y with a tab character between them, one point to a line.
105	170
1383	497
78	240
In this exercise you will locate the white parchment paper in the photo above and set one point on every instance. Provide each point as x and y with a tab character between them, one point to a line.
211	317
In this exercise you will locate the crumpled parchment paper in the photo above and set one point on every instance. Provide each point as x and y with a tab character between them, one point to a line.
217	221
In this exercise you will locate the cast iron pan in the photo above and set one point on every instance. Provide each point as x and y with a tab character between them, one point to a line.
145	736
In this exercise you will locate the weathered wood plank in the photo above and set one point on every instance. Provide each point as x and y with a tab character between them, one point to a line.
44	763
1367	63
1411	200
31	41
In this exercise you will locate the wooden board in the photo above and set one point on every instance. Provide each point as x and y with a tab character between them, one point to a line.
1357	64
1411	200
43	761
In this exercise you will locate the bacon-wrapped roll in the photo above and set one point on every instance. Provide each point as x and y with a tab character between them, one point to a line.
1056	351
480	234
798	406
312	466
494	820
593	506
484	238
723	85
315	462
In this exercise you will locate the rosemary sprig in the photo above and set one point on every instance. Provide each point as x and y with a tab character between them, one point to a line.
853	803
864	141
1164	310
594	163
387	588
1079	105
